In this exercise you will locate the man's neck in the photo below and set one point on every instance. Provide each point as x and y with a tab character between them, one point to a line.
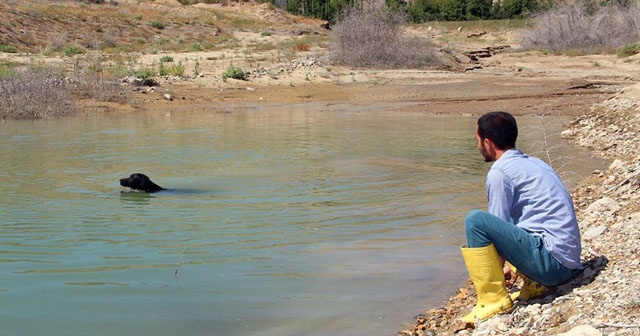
500	152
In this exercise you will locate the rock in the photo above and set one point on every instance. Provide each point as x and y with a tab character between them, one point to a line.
168	97
617	165
593	232
582	330
604	204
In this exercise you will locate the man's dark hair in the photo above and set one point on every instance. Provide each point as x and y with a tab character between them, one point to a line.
499	127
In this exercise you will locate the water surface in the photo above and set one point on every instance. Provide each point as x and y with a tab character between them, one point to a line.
325	220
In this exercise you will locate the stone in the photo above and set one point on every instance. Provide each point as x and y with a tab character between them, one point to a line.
582	330
604	204
594	232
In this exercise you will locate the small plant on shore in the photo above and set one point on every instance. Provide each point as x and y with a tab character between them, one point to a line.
7	69
196	47
73	49
552	153
144	72
629	50
7	48
234	72
157	25
166	58
196	69
176	69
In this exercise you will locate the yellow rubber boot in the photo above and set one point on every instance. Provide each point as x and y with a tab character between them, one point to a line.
530	289
485	269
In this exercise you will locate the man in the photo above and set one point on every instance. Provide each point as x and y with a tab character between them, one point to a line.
531	223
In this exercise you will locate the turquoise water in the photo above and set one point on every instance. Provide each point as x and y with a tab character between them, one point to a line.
336	220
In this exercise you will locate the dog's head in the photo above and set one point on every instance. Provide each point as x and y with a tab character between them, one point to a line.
141	182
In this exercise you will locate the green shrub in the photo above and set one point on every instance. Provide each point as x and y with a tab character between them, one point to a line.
234	72
157	24
144	72
166	58
7	48
7	69
73	49
171	69
196	47
629	50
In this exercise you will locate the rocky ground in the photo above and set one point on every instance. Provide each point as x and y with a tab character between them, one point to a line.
604	298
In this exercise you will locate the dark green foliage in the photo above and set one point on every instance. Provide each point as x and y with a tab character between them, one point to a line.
234	72
7	48
423	10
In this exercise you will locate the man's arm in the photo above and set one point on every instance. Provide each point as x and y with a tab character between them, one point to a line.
499	194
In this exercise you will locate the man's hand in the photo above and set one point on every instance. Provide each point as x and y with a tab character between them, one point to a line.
510	276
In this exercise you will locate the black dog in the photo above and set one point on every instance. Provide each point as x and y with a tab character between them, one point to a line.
140	182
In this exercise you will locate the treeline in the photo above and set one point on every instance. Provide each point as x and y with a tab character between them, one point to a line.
419	11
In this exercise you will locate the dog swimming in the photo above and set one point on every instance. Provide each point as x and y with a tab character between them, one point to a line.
140	182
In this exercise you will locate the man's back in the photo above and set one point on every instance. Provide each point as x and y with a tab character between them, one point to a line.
527	192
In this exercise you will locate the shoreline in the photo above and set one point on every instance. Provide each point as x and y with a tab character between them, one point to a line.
603	299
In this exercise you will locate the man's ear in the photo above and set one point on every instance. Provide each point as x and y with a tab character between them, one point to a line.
490	146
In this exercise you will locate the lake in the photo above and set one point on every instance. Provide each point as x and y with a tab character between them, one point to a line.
295	219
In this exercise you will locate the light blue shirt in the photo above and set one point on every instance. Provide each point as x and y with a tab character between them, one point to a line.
527	192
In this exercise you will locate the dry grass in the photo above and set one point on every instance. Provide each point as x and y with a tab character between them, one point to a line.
371	36
34	94
574	26
38	91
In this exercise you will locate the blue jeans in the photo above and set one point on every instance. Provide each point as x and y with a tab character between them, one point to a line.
523	250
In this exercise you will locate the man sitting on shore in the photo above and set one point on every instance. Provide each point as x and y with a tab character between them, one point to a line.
531	224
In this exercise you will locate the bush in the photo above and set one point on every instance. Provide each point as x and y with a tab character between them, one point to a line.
629	50
157	24
234	72
73	49
371	36
196	47
34	94
171	69
144	72
7	48
576	25
166	58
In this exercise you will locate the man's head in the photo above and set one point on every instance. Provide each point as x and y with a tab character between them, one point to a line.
496	133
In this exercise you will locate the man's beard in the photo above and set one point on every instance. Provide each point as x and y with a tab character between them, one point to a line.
485	155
